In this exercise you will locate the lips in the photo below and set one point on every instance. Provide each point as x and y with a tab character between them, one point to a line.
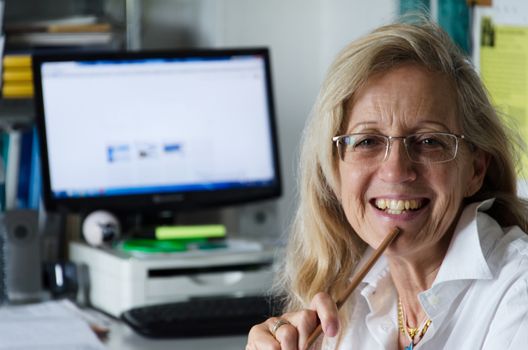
398	206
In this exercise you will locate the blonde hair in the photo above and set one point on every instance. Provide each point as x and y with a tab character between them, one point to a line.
323	249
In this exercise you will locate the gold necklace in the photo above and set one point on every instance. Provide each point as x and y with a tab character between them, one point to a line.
411	332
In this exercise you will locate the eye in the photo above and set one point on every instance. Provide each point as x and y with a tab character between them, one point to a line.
367	142
430	141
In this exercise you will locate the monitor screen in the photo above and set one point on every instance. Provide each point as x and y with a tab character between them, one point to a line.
149	130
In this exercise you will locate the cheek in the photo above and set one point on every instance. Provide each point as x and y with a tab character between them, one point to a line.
451	183
354	183
449	186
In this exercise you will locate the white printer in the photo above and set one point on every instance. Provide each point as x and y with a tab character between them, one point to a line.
120	280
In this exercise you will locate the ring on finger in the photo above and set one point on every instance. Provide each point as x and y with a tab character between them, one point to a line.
280	322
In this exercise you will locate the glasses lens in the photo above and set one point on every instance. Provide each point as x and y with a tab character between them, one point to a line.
362	147
432	147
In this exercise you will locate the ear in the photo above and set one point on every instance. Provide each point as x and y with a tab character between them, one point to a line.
480	164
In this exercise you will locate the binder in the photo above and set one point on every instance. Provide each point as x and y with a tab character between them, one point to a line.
13	164
17	61
35	184
17	75
24	170
17	90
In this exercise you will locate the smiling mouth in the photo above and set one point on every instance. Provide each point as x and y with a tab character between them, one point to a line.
398	206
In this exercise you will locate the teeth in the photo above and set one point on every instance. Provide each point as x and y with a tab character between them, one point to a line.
396	212
395	206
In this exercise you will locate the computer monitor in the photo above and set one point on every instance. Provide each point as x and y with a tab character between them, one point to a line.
156	130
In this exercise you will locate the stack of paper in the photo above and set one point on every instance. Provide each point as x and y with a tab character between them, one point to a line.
71	31
53	325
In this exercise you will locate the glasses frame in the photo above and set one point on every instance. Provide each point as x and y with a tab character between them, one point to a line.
389	140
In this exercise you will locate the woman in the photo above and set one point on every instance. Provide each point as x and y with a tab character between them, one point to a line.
404	135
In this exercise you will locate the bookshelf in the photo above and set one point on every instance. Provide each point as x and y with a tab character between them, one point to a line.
29	27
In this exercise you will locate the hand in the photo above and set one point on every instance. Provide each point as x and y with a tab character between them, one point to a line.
293	331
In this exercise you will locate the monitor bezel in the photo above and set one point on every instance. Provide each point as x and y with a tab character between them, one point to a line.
194	200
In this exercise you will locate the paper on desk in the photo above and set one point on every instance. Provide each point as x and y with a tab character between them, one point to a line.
50	325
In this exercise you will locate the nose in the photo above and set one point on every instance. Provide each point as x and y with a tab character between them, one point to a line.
397	167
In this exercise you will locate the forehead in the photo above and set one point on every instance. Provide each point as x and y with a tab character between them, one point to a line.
406	97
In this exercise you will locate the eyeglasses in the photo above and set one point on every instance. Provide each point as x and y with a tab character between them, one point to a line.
423	148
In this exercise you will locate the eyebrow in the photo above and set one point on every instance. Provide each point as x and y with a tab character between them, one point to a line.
370	124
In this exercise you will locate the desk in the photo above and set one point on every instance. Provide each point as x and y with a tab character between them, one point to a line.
121	337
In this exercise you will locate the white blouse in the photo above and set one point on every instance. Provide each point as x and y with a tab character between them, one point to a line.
479	299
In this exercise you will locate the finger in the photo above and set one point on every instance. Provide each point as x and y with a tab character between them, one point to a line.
306	321
327	312
260	338
288	336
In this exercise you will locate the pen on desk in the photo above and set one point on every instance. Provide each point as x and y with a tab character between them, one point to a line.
358	277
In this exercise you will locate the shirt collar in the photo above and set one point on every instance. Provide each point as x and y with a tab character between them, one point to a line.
376	277
473	237
466	242
466	256
465	260
378	270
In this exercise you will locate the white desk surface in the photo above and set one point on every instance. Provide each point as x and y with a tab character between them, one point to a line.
121	337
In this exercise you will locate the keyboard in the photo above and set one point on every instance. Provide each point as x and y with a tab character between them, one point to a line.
201	316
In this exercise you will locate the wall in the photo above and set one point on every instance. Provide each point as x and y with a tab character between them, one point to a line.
303	35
